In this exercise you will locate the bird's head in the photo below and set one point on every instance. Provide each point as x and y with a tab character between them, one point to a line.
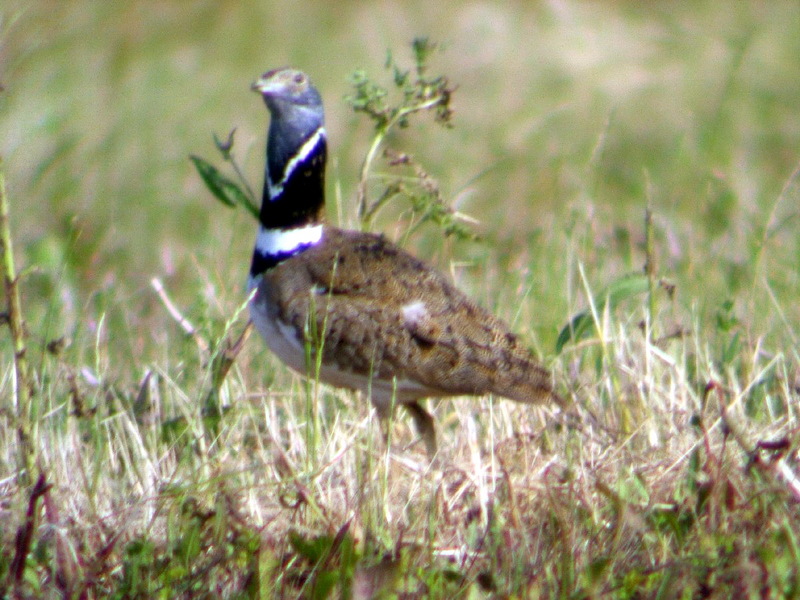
297	117
289	94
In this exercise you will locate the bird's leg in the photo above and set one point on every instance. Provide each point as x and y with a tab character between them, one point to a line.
385	411
423	422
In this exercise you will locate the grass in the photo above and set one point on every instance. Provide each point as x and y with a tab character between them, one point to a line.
672	475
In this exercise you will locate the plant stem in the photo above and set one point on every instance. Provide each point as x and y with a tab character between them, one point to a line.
17	327
650	266
243	180
364	213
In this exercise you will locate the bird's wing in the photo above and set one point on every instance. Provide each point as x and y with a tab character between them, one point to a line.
377	311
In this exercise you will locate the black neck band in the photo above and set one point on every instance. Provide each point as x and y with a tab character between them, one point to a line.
299	198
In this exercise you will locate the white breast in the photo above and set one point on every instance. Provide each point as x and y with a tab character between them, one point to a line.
280	337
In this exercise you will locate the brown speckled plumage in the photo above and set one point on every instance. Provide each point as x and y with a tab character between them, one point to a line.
353	287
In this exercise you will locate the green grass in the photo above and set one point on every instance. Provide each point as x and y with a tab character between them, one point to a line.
671	476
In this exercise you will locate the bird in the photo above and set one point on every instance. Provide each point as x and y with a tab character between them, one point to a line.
351	307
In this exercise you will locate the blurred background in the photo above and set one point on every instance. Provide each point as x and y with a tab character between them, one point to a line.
570	118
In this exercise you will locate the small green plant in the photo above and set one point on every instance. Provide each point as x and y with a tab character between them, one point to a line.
411	92
208	548
13	317
231	193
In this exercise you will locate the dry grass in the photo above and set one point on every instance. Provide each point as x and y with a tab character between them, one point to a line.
670	476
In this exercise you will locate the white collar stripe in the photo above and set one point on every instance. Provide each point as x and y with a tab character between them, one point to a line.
274	242
307	148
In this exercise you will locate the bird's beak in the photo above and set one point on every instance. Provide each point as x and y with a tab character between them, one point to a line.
266	83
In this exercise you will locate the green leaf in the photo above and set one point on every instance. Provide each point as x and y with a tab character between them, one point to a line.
323	586
312	550
598	568
224	189
731	350
225	147
581	324
725	316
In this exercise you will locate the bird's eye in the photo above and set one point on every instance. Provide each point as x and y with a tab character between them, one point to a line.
299	78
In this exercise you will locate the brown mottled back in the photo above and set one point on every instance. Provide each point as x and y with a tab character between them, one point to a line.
381	313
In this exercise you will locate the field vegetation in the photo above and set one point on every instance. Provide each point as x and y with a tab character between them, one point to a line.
620	181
